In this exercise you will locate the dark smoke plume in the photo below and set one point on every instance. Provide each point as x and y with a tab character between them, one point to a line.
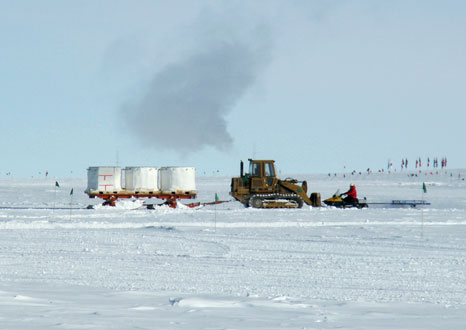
185	104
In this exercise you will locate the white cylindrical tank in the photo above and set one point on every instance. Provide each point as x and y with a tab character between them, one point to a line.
174	179
104	178
141	179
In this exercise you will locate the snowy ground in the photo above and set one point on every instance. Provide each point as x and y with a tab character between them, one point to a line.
228	267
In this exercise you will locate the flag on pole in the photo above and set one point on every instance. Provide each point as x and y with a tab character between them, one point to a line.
56	184
424	188
71	192
216	197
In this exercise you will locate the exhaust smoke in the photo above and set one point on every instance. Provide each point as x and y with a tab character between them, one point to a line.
185	105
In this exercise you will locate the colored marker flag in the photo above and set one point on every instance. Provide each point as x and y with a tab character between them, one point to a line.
216	197
71	192
424	188
56	184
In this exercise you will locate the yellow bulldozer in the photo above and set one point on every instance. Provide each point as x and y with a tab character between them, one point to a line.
260	188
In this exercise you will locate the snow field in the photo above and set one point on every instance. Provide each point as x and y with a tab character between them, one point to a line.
226	266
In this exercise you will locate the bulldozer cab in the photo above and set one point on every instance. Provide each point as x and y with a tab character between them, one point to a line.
262	175
261	168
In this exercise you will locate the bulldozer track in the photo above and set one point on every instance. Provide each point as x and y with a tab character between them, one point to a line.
276	201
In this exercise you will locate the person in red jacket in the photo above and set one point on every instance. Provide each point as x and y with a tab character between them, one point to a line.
351	195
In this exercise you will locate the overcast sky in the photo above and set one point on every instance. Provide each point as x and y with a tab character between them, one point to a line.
315	85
